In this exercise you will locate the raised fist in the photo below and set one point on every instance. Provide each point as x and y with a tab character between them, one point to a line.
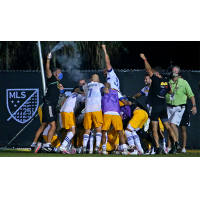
142	56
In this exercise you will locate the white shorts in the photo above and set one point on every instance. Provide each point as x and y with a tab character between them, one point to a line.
175	114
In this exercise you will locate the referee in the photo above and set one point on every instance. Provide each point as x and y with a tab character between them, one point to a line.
158	107
176	102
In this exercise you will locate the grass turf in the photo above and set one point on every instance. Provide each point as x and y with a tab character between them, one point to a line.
27	153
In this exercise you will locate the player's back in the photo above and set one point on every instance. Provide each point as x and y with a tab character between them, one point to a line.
93	96
70	103
113	80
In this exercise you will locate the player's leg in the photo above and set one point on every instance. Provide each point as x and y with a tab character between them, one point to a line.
87	123
184	138
98	121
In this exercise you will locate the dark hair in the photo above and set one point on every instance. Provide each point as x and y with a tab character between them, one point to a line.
55	69
146	75
158	69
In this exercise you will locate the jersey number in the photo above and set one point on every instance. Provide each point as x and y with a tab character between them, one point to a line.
117	82
112	98
90	92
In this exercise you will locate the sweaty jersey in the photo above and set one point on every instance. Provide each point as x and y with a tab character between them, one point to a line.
112	79
93	96
72	103
110	102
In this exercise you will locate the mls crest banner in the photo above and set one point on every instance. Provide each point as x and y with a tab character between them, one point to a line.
21	94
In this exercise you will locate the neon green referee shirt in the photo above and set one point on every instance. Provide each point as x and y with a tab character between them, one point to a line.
182	92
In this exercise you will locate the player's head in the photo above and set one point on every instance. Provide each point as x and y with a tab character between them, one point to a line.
81	82
176	71
95	78
147	80
107	85
105	71
57	73
157	71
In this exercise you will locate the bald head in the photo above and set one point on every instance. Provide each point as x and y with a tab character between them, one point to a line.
107	85
95	78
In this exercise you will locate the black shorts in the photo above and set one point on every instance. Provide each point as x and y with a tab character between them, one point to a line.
48	112
185	121
156	112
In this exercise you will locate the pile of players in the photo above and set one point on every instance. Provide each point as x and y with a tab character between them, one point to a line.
99	112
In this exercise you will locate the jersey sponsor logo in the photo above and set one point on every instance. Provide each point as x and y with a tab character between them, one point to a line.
164	83
22	104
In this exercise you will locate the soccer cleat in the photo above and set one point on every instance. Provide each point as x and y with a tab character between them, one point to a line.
116	152
66	152
173	150
134	152
48	149
73	150
158	151
146	125
125	152
104	152
90	151
96	150
183	150
147	152
178	149
37	147
84	150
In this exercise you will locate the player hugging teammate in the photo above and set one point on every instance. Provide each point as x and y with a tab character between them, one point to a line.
97	118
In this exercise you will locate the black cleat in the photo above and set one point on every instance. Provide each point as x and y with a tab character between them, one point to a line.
48	149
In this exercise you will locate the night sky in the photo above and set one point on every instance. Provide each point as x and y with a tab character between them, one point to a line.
184	54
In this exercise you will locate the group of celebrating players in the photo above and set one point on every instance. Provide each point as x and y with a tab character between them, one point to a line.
99	112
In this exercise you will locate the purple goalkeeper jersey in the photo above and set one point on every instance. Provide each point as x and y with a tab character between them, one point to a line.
110	102
126	110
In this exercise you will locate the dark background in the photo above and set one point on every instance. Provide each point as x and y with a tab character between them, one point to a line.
130	83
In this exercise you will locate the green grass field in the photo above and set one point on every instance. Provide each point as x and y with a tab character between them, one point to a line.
27	153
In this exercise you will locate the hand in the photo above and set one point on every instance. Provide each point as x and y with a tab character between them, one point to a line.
194	110
103	46
49	56
142	56
129	103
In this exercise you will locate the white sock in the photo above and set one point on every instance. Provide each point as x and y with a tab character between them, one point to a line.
137	140
85	140
129	137
103	147
67	139
98	139
91	141
48	144
120	148
106	138
124	146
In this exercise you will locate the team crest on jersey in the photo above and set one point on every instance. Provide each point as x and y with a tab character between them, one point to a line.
22	104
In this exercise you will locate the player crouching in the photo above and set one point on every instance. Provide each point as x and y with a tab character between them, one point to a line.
139	117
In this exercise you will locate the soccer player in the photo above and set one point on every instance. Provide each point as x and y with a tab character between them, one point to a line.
111	114
139	117
93	113
68	109
50	102
109	73
158	107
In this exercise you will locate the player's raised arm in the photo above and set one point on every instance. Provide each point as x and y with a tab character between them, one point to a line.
107	59
147	66
48	71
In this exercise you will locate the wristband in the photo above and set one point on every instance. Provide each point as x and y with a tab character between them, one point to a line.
194	105
145	59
